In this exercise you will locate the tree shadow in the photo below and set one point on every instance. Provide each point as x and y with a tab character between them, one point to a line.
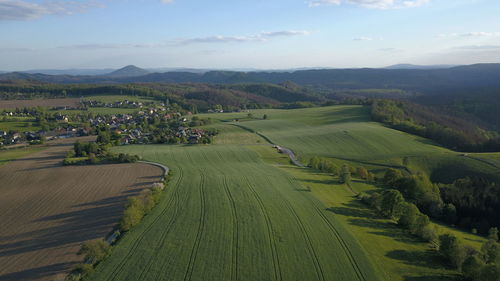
38	272
66	230
428	258
432	278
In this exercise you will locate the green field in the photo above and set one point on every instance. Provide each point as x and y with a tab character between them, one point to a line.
20	124
346	133
237	209
227	215
7	155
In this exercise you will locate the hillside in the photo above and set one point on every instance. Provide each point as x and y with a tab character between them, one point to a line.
128	71
254	216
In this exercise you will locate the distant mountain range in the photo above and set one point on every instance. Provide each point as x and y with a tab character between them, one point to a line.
422	80
132	70
413	66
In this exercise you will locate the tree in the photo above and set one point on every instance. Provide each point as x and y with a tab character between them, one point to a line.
95	250
421	223
450	213
264	117
132	214
314	162
77	147
391	176
490	272
472	267
452	250
409	213
429	234
345	175
491	251
362	172
493	234
103	137
376	201
391	199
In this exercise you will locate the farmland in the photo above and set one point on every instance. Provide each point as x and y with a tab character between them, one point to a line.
13	104
237	210
346	134
48	210
227	215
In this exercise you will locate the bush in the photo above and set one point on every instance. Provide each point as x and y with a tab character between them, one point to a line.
133	214
451	248
80	271
95	251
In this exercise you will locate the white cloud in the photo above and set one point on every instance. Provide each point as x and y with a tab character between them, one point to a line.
167	1
371	4
478	47
471	34
23	10
261	37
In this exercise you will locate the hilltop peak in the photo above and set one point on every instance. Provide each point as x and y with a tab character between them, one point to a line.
128	71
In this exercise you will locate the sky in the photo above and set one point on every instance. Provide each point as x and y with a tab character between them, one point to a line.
236	34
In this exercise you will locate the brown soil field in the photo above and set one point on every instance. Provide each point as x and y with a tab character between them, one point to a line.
12	104
47	210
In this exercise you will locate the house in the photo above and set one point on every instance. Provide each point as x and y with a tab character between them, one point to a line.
193	139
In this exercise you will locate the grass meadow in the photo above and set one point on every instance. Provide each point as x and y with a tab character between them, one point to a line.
238	210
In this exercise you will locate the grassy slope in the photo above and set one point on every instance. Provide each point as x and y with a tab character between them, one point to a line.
227	215
346	133
169	239
397	255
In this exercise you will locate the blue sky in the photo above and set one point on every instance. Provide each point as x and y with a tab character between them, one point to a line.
265	34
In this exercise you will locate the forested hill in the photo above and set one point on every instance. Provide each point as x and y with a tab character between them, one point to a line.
421	80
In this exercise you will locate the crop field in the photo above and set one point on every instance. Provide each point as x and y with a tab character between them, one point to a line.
7	155
48	210
396	255
227	215
13	104
346	133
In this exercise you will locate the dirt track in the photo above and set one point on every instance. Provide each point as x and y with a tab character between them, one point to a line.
48	210
12	104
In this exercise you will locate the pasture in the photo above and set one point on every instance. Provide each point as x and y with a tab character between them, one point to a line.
227	215
47	210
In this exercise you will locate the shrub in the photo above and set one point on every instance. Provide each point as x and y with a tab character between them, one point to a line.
95	251
80	271
132	214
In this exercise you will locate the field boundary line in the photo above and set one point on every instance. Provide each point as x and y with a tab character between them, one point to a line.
165	169
148	228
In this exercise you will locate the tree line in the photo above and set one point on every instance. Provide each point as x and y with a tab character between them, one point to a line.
453	132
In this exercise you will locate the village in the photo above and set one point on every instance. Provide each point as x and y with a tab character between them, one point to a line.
153	124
